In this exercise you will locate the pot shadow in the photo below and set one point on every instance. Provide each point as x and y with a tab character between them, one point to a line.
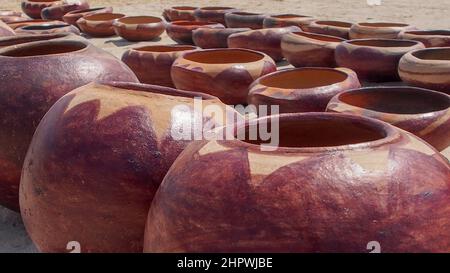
284	64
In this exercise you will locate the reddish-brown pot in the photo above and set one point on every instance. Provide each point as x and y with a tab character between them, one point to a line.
378	30
15	25
333	28
240	19
224	73
335	183
57	12
430	38
214	37
181	31
212	14
33	8
73	16
139	28
152	64
99	24
34	76
285	20
179	13
48	29
6	30
423	112
22	39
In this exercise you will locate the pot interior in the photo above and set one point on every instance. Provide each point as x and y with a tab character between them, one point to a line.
383	25
224	56
16	40
163	48
184	8
319	37
104	16
215	8
290	16
243	13
140	20
303	78
429	32
434	54
335	23
191	23
85	10
44	27
383	43
47	48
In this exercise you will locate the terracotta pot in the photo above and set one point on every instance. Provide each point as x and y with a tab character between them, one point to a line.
264	40
214	37
212	14
33	8
301	89
378	30
374	59
303	49
7	12
99	24
22	39
333	28
27	90
158	59
430	38
139	28
428	68
48	29
73	16
224	73
423	112
285	20
6	30
240	19
335	183
57	12
181	31
19	24
130	125
179	13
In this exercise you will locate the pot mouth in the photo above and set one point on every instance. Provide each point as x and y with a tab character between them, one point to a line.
224	56
289	16
165	48
429	32
383	43
104	16
45	48
335	23
86	10
397	100
244	13
184	8
320	37
43	1
22	39
433	54
383	24
135	20
216	8
44	26
192	23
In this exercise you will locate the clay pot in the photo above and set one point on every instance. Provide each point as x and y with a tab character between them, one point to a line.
73	16
430	38
224	73
25	89
214	37
33	8
428	68
333	28
103	204
285	20
22	39
19	24
335	183
158	59
5	30
139	28
57	12
378	30
264	40
48	29
99	24
303	49
240	19
179	13
374	59
181	31
422	112
212	14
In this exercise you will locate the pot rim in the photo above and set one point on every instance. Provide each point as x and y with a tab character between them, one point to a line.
261	54
352	43
415	33
411	55
323	23
139	48
56	35
81	11
25	46
215	8
44	26
184	8
224	30
157	21
187	24
290	16
311	35
382	25
89	17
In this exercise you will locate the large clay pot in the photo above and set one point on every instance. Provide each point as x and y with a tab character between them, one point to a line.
99	24
34	76
301	89
57	12
240	19
98	157
73	16
179	13
48	29
303	49
335	183
430	38
139	28
428	68
423	112
333	28
224	73
22	39
378	30
214	37
374	59
33	8
212	14
266	40
5	30
181	31
19	24
285	20
152	64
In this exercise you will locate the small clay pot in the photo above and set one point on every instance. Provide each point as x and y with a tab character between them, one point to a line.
430	38
265	40
374	59
99	24
212	14
152	64
73	16
301	89
240	19
19	24
224	73
214	37
22	39
33	8
378	30
303	49
6	30
427	68
423	112
57	12
285	20
179	13
48	29
181	31
139	28
333	28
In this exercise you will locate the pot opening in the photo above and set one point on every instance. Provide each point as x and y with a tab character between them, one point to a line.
17	40
224	56
43	1
192	23
303	78
140	20
48	48
163	48
320	37
184	8
383	25
383	43
216	8
429	32
104	16
433	54
86	10
243	13
44	27
334	23
290	16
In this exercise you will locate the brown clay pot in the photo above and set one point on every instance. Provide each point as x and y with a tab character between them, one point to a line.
333	28
139	28
285	20
264	40
73	16
99	24
214	37
179	13
423	112
224	73
301	89
48	29
335	183
427	68
212	14
22	39
103	204
152	64
6	30
374	59
33	8
240	19
430	38
27	93
378	30
57	12
303	49
181	31
19	24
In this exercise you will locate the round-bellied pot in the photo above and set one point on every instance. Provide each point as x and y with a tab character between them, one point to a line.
423	112
33	8
181	31
224	73
57	12
285	20
73	16
302	49
6	30
179	13
152	64
333	28
374	59
103	204
378	30
266	40
372	181
430	38
214	37
48	29
241	19
212	14
99	24
301	89
428	68
139	28
19	24
22	39
26	94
